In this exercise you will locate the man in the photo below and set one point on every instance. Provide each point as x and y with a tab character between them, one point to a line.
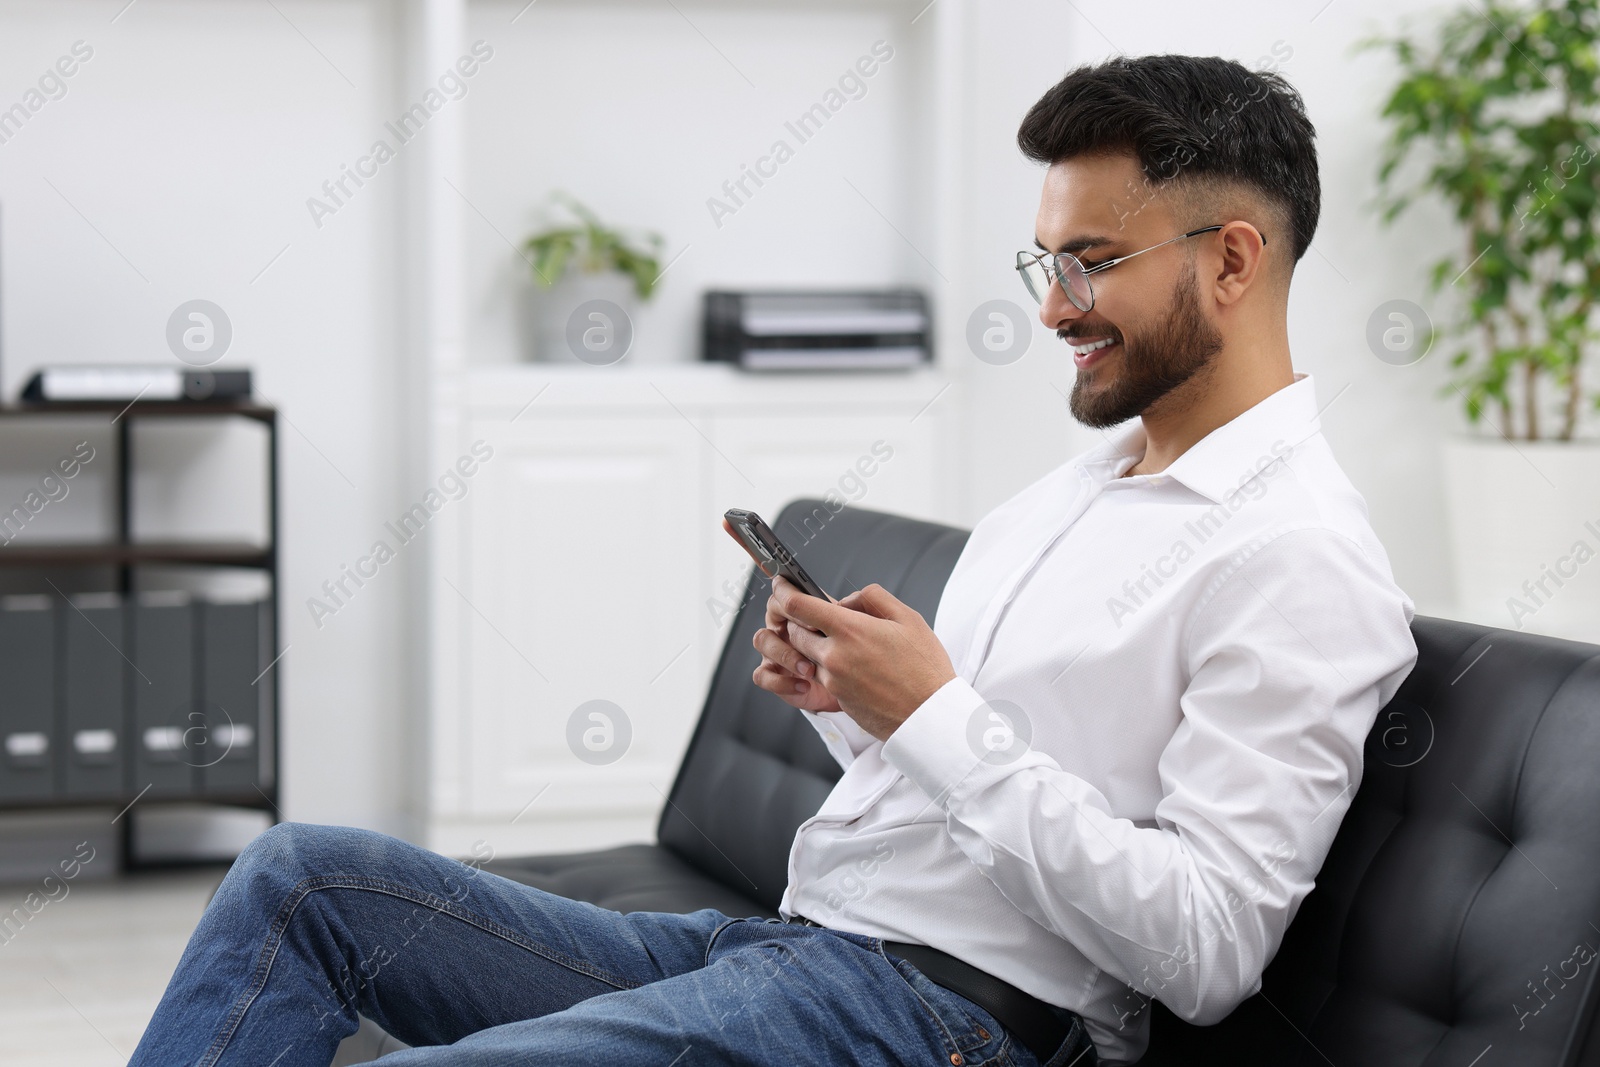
1108	773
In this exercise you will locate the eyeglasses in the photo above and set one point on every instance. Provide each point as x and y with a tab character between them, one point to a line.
1040	270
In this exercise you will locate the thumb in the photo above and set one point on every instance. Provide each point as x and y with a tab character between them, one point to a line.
876	601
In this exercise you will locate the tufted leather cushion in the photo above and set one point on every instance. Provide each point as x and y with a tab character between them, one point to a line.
1466	872
1467	867
628	878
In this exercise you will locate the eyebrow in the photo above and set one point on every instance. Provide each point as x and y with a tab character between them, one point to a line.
1081	243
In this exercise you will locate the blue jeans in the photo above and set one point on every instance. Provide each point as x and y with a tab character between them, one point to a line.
315	924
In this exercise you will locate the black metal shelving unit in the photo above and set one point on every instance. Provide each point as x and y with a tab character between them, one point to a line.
123	555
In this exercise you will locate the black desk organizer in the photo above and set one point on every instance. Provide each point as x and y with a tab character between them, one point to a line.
123	699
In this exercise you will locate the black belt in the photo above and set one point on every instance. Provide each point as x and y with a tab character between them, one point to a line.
1027	1018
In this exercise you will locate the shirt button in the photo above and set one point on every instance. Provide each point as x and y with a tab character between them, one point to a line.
832	736
955	1059
983	1033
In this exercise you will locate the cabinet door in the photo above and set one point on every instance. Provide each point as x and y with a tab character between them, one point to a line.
584	542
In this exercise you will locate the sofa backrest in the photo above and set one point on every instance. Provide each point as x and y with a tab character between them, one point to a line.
1457	915
1455	922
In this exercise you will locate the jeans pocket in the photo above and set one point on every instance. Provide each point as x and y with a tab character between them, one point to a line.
968	1028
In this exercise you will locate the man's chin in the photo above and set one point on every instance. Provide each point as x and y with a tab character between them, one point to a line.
1089	406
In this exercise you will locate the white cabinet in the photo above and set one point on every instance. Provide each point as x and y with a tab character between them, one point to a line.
583	573
590	565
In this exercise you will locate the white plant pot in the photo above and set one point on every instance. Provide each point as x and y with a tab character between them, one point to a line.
1524	522
551	315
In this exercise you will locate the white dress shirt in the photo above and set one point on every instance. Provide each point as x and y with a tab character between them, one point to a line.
1164	686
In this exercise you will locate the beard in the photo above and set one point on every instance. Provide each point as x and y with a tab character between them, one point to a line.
1179	348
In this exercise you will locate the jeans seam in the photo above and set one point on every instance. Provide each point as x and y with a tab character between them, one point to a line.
306	886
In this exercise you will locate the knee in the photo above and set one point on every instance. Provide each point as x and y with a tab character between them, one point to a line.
290	852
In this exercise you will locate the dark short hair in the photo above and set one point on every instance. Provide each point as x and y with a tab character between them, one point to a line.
1194	120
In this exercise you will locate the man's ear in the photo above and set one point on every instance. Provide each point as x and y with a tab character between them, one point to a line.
1244	262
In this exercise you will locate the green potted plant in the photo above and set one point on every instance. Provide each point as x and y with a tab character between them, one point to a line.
577	260
1497	114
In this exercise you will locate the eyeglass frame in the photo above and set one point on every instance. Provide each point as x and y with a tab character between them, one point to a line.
1054	257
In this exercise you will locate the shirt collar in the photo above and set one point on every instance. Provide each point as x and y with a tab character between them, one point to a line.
1217	464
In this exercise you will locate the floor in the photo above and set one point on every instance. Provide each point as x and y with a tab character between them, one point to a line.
81	977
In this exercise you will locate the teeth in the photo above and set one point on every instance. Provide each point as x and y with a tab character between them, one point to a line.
1084	350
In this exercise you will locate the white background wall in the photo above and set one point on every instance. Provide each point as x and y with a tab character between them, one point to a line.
179	163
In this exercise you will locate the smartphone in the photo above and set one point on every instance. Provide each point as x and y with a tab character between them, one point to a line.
770	554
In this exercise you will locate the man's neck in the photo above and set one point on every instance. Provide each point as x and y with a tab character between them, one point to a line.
1210	399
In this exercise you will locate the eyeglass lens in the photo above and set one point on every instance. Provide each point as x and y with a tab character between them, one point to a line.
1038	276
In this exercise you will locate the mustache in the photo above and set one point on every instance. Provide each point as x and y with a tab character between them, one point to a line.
1077	336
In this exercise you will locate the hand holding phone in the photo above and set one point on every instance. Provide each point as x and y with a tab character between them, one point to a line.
779	659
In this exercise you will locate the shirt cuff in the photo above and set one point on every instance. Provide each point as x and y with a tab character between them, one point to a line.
938	746
837	731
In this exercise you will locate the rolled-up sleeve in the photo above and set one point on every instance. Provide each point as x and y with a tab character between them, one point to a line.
1289	657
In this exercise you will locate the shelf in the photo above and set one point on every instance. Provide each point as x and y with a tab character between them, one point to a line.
692	386
214	554
232	798
260	412
110	707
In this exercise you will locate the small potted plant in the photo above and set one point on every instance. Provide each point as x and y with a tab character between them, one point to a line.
1498	116
578	260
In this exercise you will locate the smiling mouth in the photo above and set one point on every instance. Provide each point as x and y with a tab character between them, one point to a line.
1093	346
1089	353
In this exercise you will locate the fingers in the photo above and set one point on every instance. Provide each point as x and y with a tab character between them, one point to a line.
877	601
806	642
775	680
777	618
811	612
795	692
777	651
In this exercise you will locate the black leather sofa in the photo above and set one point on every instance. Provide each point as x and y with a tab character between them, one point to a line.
1456	922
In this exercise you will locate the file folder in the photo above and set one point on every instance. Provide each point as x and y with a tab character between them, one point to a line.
92	685
166	716
27	698
231	642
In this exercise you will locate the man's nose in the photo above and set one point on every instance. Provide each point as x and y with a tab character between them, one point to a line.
1058	309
